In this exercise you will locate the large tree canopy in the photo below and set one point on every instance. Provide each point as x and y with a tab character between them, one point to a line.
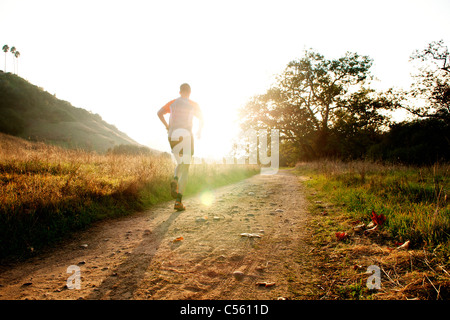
432	83
315	98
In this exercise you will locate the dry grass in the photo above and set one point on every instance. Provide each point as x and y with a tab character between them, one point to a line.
47	192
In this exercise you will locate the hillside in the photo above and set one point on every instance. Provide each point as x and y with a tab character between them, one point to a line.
29	112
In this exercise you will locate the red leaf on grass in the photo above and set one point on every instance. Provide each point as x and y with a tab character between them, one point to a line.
378	219
341	235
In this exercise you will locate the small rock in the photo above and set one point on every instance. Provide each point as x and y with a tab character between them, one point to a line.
84	246
239	275
251	235
81	262
27	284
251	193
201	219
265	284
279	210
216	218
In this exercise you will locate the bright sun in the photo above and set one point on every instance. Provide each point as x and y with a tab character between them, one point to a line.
220	128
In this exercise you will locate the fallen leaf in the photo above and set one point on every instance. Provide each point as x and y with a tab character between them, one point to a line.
178	239
359	227
404	246
371	229
341	235
378	219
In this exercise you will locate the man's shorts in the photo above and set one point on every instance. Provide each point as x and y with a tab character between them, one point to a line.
174	143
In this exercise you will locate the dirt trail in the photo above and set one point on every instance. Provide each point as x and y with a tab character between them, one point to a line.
136	258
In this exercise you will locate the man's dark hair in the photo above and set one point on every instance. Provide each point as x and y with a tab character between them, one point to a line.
185	88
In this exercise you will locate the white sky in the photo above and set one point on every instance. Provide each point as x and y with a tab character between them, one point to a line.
125	59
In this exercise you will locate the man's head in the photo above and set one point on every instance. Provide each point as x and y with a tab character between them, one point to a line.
185	90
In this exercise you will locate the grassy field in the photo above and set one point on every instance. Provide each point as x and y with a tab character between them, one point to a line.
47	192
415	202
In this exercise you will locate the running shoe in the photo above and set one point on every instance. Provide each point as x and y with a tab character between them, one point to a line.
179	206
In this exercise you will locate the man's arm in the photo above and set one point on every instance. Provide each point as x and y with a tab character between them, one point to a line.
161	114
163	111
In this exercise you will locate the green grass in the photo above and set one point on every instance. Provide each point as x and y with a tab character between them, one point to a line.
415	200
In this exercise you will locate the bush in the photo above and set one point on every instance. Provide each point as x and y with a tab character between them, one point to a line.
420	142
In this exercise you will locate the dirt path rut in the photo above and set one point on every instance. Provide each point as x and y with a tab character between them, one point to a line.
136	257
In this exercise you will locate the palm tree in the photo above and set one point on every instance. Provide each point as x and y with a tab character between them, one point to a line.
13	51
5	50
17	55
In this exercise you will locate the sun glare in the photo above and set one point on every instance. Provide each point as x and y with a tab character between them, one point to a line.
207	198
220	127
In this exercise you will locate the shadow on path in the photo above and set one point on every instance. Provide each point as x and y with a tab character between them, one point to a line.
125	279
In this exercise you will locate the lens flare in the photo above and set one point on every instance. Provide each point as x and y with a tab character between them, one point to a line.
207	198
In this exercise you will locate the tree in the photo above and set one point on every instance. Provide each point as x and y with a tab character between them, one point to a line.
13	51
310	94
17	55
432	83
358	123
5	50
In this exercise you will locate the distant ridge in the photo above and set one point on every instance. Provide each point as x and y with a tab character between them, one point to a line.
29	112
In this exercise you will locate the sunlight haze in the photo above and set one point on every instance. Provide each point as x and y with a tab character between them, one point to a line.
125	59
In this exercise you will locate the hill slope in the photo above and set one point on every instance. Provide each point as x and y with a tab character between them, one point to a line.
30	112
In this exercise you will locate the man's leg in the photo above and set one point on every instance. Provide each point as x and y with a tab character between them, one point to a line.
174	183
182	172
178	185
183	178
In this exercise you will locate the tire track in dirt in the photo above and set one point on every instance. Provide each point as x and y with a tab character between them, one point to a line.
136	258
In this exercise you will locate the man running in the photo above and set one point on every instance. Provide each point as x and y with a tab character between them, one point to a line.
182	110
